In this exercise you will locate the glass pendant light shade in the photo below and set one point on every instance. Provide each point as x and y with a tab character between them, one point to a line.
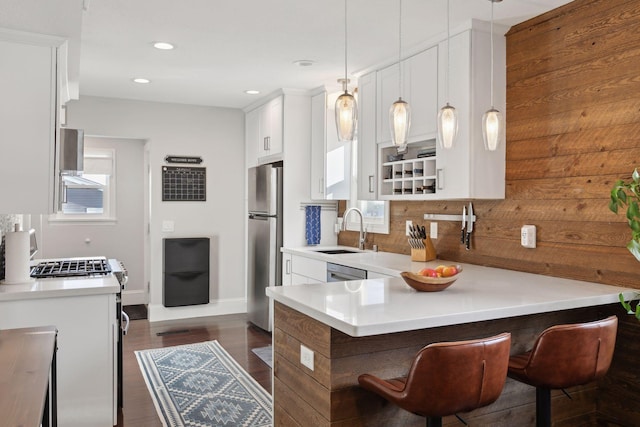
447	126
400	121
346	116
492	129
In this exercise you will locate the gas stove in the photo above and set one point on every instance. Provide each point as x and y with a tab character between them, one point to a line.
72	267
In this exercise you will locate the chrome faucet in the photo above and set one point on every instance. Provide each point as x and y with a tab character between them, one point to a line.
363	234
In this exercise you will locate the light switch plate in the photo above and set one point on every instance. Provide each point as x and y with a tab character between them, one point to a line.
433	230
167	226
407	228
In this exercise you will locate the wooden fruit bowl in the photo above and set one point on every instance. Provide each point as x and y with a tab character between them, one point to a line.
428	284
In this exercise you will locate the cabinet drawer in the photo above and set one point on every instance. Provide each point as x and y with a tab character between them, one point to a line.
311	268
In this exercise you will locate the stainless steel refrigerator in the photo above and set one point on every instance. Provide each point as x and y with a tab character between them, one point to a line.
264	261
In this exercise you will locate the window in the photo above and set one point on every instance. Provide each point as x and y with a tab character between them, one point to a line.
375	213
90	195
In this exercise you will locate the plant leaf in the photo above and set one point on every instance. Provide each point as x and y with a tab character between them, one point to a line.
634	248
613	205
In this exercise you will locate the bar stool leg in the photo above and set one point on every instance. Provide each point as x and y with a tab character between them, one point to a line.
543	407
434	421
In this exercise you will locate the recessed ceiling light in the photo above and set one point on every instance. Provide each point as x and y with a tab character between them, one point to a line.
141	80
252	92
163	45
304	62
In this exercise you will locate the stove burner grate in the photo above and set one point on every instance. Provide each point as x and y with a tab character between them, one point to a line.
71	267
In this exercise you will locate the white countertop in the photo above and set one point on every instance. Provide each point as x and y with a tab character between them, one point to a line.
63	287
380	306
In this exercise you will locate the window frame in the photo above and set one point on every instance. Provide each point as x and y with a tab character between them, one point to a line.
109	193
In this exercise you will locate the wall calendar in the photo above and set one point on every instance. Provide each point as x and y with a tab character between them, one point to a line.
184	184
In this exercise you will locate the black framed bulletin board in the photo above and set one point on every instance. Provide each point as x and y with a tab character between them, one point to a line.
184	184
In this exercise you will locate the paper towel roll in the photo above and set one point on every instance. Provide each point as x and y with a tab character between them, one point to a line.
17	254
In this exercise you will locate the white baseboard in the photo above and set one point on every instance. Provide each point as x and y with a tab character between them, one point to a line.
158	312
134	297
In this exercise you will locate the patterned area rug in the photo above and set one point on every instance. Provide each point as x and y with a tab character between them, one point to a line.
201	385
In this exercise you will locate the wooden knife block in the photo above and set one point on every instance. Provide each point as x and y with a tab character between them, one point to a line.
428	253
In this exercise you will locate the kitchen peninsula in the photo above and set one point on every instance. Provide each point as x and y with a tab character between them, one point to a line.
378	325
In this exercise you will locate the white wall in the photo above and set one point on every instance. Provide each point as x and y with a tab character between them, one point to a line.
123	239
215	134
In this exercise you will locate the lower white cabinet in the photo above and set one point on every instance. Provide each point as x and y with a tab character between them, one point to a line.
87	348
297	270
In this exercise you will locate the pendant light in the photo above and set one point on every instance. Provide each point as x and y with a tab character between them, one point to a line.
346	108
447	116
492	120
400	112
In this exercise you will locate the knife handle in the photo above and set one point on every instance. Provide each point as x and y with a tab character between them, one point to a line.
468	241
462	236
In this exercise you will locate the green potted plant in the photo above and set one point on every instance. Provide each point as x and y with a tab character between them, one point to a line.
628	194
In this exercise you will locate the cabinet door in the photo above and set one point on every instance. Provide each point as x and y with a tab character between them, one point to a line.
318	126
452	166
252	136
270	141
367	147
421	86
27	127
386	94
275	125
337	175
286	270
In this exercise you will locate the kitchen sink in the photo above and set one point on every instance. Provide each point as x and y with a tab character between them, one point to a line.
338	251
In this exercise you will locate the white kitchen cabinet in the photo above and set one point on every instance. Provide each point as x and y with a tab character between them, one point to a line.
367	147
87	345
270	137
28	83
252	135
466	171
419	89
286	269
303	270
330	158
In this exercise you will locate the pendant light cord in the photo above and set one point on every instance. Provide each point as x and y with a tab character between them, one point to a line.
448	53
400	52
345	46
492	1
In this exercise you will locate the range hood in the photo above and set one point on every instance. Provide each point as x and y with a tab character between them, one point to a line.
71	151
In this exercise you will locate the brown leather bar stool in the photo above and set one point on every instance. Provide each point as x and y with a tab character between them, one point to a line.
565	356
448	377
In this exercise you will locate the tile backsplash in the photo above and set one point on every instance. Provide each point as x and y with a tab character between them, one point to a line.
7	223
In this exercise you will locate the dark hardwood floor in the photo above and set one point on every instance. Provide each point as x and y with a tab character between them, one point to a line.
233	332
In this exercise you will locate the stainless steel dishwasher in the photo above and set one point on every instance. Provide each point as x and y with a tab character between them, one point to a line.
341	273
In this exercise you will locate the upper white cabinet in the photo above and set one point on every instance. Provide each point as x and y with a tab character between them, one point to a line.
330	158
28	83
419	87
252	135
264	130
367	147
427	172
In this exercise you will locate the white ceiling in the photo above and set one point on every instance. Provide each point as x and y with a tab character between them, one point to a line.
226	47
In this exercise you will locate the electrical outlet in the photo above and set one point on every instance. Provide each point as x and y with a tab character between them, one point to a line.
407	228
433	230
528	236
306	356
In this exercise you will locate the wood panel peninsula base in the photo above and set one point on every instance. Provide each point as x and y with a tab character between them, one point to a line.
348	327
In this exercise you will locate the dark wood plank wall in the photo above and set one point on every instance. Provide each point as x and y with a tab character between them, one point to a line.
573	128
